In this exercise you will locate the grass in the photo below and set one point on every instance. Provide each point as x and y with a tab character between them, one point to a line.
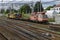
26	16
51	20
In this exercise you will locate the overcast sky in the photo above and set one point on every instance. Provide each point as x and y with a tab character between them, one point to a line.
28	0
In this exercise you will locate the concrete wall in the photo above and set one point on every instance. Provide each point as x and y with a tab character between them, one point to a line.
57	18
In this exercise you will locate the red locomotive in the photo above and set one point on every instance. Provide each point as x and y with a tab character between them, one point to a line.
39	16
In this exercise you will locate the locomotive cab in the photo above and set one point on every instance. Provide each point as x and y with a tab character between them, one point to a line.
33	16
42	17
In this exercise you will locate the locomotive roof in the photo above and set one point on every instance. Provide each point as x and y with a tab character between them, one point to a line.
41	12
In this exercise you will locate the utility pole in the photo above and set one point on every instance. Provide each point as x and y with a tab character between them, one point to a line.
40	5
12	7
37	7
32	6
2	4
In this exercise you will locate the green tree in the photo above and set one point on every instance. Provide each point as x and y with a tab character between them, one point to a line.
7	11
48	8
2	10
38	7
13	10
16	11
25	9
10	10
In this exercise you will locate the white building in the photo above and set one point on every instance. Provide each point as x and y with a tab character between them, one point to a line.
56	8
57	19
53	11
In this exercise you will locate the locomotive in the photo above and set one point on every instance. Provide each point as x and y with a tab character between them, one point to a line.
39	16
35	16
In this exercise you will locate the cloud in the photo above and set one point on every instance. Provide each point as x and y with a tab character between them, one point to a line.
46	0
28	0
36	0
6	0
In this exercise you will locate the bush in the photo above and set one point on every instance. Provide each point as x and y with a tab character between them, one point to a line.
51	20
26	16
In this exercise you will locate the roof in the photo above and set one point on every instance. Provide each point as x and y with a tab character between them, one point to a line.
42	12
58	5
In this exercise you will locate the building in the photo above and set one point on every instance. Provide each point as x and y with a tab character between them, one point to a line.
57	19
53	11
56	8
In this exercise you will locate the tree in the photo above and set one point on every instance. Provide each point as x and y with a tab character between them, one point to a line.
7	11
25	8
2	10
38	7
15	11
48	8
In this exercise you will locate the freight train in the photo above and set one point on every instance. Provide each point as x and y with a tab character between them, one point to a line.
35	16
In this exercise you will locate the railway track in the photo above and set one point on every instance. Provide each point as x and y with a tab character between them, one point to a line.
2	37
24	32
10	35
27	30
40	30
20	32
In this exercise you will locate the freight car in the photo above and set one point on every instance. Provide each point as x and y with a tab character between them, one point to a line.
14	16
35	16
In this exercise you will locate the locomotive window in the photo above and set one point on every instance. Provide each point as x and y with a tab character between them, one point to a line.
45	16
59	8
40	16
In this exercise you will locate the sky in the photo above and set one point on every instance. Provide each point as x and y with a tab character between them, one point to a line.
45	4
28	0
